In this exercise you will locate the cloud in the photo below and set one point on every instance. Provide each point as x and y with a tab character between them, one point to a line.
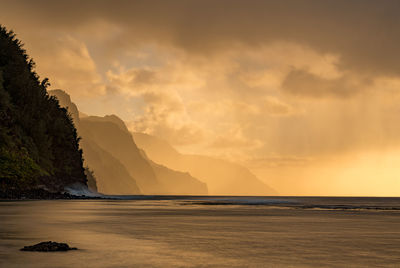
133	80
364	33
274	106
306	84
168	74
66	61
190	74
278	81
165	116
73	67
164	112
277	161
234	138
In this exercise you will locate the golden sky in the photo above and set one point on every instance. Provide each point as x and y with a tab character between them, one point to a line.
306	94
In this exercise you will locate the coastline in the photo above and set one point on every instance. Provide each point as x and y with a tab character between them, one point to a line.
41	194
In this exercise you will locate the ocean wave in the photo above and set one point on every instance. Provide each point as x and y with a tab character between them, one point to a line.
293	204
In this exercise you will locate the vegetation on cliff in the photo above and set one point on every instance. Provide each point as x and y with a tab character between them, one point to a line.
39	145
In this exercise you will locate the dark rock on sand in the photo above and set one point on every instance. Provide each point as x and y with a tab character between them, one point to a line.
48	246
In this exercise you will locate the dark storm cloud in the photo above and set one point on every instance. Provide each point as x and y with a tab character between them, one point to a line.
365	34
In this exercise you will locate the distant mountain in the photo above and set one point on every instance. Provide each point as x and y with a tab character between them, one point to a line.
118	164
119	143
176	182
38	141
222	177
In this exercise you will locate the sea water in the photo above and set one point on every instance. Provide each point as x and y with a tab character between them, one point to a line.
178	231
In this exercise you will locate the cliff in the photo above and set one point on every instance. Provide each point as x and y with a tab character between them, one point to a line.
176	182
39	146
117	163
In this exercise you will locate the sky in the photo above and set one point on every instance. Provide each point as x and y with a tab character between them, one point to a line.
306	94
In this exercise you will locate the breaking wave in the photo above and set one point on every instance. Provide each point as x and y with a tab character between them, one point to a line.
79	189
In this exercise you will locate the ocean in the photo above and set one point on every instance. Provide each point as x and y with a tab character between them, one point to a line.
189	231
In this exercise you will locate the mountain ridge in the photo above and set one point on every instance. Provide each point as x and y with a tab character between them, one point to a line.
107	139
222	177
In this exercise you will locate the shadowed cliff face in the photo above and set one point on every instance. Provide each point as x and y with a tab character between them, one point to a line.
111	175
39	146
222	177
118	164
111	138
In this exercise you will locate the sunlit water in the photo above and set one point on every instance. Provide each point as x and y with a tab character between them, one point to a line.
204	231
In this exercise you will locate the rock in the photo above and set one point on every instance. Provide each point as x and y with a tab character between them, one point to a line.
48	246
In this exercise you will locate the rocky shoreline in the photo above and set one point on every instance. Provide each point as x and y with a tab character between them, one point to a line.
39	194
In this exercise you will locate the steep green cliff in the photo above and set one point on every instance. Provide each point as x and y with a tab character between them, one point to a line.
39	146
